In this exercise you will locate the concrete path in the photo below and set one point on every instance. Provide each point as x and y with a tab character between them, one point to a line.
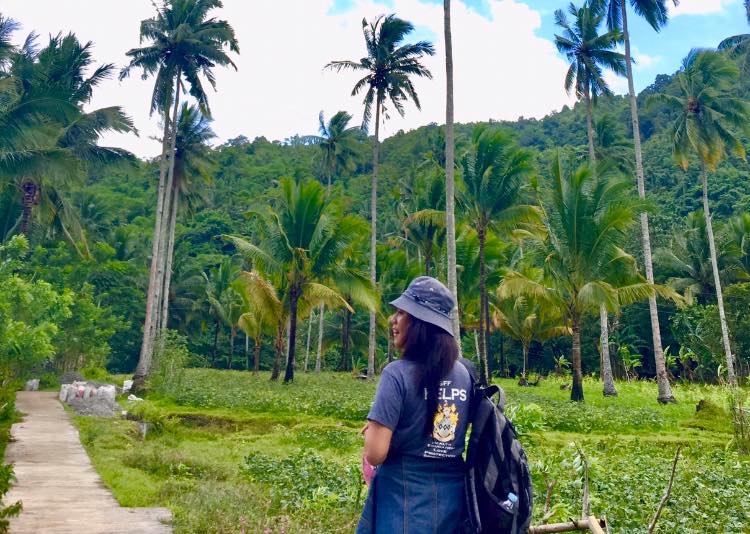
60	491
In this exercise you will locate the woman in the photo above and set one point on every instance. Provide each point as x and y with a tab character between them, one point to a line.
417	424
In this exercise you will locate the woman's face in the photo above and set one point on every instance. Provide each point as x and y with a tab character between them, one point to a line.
399	327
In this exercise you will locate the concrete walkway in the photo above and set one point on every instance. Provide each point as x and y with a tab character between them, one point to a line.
60	491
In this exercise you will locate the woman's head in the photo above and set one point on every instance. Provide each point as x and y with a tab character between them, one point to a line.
423	332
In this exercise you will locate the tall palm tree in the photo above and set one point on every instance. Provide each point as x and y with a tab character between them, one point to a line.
450	183
708	117
221	296
191	163
656	14
305	244
494	174
425	224
184	44
588	52
390	65
586	220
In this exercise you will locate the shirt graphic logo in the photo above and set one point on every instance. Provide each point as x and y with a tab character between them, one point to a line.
445	422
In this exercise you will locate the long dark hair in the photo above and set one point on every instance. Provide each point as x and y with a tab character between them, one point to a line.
436	351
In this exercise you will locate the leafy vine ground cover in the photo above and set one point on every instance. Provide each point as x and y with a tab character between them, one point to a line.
231	452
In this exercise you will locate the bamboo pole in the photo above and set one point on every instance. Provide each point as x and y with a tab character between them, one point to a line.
591	524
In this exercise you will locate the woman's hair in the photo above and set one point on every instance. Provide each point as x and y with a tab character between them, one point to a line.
436	351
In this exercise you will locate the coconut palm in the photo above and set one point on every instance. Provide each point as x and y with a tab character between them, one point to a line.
305	243
656	14
739	233
687	260
49	143
222	297
494	174
708	117
739	45
450	187
586	219
184	45
425	224
262	309
588	52
338	143
191	163
526	319
390	65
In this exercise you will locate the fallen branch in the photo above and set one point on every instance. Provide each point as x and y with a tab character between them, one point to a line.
570	526
668	491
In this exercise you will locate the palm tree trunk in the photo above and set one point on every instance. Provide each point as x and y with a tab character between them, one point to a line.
483	364
525	359
717	281
374	239
155	278
247	352
216	341
279	345
609	383
576	392
167	246
172	222
29	195
450	200
665	391
232	334
321	326
347	321
256	348
307	345
590	125
293	296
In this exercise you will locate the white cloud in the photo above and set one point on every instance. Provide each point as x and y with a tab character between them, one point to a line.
502	69
644	61
618	84
699	7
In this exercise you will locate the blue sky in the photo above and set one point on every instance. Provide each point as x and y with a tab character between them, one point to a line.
664	50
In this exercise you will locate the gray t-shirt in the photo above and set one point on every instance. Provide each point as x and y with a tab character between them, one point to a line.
400	405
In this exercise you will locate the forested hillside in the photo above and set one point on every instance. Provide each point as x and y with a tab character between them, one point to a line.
91	239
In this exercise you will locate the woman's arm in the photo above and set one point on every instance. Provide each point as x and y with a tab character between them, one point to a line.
377	442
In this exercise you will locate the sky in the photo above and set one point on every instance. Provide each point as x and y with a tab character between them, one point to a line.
505	62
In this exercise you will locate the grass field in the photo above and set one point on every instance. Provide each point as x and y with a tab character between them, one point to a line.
232	452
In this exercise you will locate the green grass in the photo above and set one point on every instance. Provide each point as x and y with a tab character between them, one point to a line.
231	451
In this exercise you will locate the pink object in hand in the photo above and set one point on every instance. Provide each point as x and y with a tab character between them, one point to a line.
368	471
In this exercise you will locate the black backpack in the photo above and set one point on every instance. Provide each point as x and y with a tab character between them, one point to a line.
496	470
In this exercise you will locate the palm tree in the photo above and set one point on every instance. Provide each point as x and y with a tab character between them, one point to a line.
191	161
425	225
656	14
183	44
450	187
526	319
390	64
586	221
739	232
48	142
687	260
739	45
338	143
494	173
708	114
262	309
305	244
588	52
221	296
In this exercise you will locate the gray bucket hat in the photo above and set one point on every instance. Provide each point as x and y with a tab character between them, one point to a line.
429	300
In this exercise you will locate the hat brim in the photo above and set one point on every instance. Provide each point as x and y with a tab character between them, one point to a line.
423	313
